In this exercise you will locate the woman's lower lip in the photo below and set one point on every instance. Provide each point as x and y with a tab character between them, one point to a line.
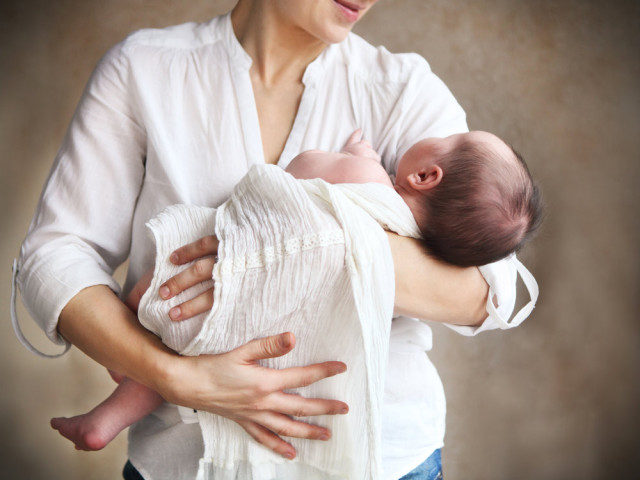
350	14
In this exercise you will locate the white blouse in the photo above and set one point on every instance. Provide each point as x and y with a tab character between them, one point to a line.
169	117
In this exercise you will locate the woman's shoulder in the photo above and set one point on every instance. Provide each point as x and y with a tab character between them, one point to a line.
190	35
365	59
152	51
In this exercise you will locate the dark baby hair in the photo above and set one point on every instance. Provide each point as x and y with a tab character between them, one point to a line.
485	207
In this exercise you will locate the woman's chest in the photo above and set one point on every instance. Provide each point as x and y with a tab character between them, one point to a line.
277	110
205	131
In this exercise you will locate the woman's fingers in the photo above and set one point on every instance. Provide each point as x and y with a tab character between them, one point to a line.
252	395
272	381
298	406
199	272
203	252
267	427
267	347
269	439
285	426
277	346
200	248
295	377
197	305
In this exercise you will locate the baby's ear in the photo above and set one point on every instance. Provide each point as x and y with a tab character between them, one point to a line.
426	178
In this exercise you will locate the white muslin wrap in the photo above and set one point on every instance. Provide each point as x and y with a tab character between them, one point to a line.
295	255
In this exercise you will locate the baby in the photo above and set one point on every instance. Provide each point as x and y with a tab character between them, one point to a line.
471	195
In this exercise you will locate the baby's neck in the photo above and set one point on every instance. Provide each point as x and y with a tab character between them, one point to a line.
413	200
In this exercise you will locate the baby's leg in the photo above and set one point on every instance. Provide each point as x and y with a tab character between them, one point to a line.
130	402
133	299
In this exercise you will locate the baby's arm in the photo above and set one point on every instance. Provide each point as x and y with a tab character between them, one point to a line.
357	162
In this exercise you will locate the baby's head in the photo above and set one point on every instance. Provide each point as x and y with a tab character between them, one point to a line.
472	196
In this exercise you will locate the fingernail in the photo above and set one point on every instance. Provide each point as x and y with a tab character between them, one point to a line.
289	455
283	340
174	313
344	410
324	437
164	292
174	257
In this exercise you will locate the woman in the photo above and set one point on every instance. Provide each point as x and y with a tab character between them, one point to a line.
178	116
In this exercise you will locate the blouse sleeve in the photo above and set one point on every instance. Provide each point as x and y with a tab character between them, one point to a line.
426	109
81	230
501	277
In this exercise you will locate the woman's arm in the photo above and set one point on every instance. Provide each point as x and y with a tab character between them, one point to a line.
83	230
232	384
426	288
430	289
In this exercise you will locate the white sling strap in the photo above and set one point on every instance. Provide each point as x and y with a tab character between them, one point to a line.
532	287
16	325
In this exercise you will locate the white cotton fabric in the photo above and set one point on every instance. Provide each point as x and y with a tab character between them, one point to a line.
301	256
168	117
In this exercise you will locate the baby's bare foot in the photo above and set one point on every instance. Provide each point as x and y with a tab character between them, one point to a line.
84	431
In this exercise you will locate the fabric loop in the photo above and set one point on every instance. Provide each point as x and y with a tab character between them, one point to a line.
532	287
16	325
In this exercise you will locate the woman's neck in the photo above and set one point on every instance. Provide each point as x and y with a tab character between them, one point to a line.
280	50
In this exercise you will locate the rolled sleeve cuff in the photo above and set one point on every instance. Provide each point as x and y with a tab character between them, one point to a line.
501	277
48	282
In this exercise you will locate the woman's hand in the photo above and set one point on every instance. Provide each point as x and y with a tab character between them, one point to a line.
204	252
235	386
231	384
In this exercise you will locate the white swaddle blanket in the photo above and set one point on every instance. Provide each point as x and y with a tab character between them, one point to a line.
301	256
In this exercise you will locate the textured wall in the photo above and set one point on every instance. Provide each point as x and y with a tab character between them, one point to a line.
554	399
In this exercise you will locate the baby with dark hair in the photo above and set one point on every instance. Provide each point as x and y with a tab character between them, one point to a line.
472	197
471	194
485	206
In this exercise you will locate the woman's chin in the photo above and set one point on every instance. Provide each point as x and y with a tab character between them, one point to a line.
335	34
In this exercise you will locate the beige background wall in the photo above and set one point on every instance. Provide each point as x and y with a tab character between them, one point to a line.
554	399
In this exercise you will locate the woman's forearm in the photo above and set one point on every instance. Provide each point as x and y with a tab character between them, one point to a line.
429	289
98	323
